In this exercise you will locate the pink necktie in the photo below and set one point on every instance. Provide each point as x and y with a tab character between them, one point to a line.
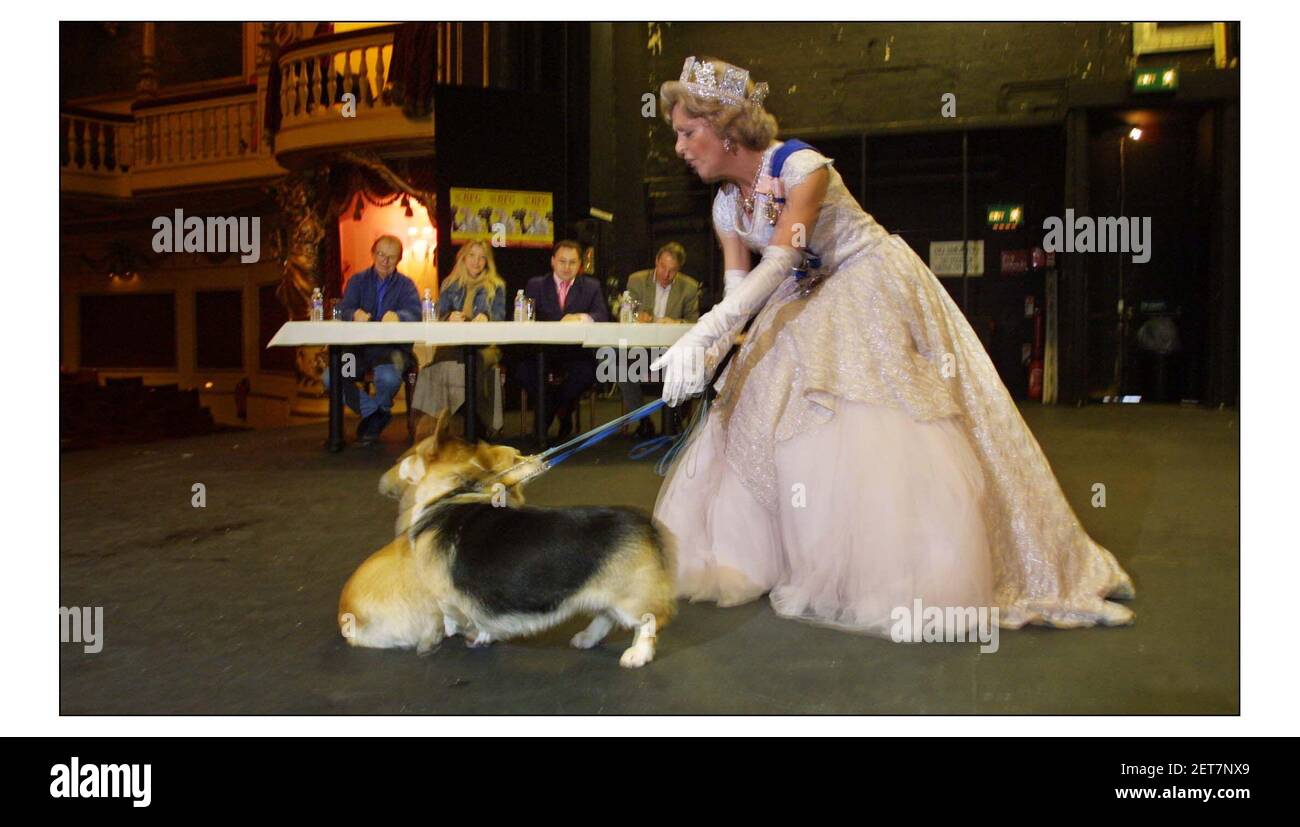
564	292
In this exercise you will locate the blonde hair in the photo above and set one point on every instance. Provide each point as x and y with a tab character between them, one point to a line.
488	279
748	124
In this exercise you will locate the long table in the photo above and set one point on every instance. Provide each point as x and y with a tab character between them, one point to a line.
470	336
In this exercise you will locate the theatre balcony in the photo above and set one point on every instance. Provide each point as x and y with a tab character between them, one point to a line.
205	138
302	102
335	92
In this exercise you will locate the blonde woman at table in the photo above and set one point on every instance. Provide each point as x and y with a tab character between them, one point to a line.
474	292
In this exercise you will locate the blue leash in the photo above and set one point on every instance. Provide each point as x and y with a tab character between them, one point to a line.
648	447
554	456
560	453
644	449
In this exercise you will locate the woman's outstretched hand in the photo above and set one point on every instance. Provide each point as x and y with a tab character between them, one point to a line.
683	371
683	365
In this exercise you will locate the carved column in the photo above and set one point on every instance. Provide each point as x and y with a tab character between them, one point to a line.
147	83
300	196
264	65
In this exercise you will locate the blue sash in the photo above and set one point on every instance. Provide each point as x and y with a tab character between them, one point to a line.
787	149
778	163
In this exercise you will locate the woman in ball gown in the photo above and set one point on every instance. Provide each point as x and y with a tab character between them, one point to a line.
862	453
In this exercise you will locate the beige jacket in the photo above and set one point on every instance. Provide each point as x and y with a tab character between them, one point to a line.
683	296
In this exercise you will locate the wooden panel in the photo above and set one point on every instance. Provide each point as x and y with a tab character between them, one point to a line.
135	331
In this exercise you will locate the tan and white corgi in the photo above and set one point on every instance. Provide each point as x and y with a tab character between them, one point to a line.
475	562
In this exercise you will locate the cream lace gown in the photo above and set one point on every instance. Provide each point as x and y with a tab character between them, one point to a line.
863	453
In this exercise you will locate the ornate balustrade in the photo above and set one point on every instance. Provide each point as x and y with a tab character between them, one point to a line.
201	139
314	77
95	152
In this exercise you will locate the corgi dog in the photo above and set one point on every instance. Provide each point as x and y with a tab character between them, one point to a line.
482	564
440	456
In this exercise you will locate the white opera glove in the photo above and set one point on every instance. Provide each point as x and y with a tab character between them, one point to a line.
731	280
683	365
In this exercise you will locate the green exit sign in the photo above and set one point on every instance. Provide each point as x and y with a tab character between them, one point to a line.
1156	79
1005	216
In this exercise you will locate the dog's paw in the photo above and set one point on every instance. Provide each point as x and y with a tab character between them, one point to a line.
430	640
478	639
584	640
636	656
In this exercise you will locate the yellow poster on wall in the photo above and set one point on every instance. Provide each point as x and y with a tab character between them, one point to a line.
512	218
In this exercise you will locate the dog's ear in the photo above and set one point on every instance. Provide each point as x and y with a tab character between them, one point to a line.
411	469
440	424
391	484
428	449
424	427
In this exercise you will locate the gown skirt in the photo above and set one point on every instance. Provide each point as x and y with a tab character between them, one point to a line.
843	497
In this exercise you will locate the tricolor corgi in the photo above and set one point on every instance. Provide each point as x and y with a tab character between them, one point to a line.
475	562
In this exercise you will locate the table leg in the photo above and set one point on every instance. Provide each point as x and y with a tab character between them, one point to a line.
539	403
470	353
335	442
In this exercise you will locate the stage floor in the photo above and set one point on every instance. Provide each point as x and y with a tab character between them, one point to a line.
231	608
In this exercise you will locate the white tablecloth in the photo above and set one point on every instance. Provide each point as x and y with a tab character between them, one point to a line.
593	334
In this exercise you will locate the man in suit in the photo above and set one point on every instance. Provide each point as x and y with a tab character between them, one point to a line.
378	294
663	295
564	296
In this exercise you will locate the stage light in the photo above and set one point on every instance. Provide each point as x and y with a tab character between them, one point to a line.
1135	134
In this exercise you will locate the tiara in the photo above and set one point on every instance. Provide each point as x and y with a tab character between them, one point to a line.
700	78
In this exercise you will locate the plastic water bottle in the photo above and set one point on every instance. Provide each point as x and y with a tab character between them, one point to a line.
626	311
426	306
317	306
521	307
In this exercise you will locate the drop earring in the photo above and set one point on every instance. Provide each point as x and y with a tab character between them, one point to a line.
726	144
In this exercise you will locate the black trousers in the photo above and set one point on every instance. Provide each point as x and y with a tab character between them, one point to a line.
577	367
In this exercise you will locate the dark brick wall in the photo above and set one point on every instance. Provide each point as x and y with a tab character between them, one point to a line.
870	93
98	58
104	58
